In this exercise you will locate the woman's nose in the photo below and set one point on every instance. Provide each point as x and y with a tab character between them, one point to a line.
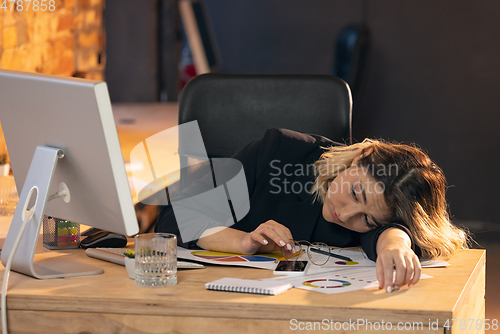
347	213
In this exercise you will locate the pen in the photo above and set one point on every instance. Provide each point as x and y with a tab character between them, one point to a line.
345	258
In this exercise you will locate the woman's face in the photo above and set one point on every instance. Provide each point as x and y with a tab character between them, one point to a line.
355	200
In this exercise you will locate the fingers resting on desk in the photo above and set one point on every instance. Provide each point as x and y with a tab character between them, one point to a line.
395	268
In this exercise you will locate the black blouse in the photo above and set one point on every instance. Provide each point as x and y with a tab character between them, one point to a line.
293	152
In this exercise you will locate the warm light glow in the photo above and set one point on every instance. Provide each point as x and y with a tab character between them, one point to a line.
59	37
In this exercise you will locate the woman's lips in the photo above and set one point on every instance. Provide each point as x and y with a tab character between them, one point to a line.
334	214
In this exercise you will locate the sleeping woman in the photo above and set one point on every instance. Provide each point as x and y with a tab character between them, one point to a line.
387	198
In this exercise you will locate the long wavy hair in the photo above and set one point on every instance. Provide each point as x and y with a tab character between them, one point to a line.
414	190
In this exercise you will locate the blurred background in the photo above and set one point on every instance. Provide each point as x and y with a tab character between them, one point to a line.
421	71
431	73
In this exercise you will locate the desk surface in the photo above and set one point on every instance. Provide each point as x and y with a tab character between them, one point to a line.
111	302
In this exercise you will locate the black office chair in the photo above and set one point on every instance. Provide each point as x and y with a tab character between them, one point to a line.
233	110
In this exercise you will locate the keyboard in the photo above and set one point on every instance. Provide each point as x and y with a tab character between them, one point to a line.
115	255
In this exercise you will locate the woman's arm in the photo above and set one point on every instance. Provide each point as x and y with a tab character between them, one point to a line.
222	240
394	252
269	236
255	159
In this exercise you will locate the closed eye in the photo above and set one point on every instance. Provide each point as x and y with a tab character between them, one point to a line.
354	195
367	222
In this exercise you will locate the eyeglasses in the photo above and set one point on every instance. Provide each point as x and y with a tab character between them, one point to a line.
319	253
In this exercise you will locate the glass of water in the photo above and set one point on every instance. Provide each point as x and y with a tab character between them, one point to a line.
155	259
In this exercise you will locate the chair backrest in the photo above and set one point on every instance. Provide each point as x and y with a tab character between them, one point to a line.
351	57
232	110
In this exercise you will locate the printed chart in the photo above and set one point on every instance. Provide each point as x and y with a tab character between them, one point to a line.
262	261
359	260
342	280
346	263
326	283
228	257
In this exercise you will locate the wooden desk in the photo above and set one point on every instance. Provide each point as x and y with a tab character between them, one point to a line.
112	303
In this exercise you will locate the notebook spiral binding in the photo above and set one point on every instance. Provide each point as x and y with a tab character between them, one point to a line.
239	289
248	286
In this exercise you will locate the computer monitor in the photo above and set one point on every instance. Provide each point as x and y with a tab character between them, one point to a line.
61	132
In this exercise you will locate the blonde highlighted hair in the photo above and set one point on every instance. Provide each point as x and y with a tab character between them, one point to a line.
414	189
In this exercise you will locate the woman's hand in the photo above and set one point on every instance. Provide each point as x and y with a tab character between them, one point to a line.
268	237
394	252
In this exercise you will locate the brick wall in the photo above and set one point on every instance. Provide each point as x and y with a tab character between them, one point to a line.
68	41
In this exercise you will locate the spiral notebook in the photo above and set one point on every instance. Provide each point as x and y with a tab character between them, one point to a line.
248	286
